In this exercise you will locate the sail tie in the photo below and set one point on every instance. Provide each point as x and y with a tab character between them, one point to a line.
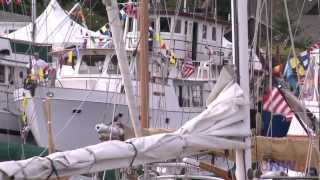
135	153
94	156
53	169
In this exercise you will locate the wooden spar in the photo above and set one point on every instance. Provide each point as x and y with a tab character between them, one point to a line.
47	107
144	72
208	167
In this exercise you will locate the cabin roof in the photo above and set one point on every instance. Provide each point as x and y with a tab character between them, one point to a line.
192	15
13	17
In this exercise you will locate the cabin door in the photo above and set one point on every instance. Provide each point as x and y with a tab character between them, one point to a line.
194	41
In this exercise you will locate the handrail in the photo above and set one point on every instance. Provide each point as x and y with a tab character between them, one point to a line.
188	176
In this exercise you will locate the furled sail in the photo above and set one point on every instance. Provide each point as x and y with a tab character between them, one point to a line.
220	126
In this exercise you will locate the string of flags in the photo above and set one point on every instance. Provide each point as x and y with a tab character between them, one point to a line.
130	9
188	67
8	2
163	45
295	69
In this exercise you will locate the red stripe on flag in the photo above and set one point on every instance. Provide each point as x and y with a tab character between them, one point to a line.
187	69
274	102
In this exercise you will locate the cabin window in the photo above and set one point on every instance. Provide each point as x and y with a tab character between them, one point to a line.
130	26
11	30
186	27
178	26
92	64
153	24
214	33
196	96
113	67
2	74
189	95
165	23
204	31
11	75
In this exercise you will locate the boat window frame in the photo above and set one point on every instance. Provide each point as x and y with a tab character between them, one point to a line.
3	70
178	26
204	31
186	27
90	67
214	33
167	22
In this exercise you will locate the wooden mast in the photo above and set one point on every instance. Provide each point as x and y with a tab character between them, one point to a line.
47	108
143	64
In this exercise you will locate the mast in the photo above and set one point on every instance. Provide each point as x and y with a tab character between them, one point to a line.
117	32
241	53
33	18
143	64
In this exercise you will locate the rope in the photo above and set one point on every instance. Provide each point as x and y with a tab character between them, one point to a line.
53	169
135	154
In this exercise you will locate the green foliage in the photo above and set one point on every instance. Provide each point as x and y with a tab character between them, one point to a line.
224	8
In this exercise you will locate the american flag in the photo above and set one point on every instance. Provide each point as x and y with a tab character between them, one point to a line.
274	102
187	69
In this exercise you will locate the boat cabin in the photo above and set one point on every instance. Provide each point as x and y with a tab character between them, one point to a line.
13	66
187	35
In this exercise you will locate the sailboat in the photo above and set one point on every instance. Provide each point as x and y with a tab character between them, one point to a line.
89	89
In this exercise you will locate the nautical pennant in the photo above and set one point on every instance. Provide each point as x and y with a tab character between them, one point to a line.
70	55
304	58
173	58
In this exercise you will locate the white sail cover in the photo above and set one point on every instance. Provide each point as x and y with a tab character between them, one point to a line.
220	126
53	26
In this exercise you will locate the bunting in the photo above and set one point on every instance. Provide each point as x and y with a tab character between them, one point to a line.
163	45
70	55
173	58
304	57
8	2
131	10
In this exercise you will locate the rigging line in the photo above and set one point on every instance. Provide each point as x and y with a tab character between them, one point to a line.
297	26
289	28
63	23
269	59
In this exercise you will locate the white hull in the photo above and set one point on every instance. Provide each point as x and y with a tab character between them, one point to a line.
9	117
9	127
73	130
